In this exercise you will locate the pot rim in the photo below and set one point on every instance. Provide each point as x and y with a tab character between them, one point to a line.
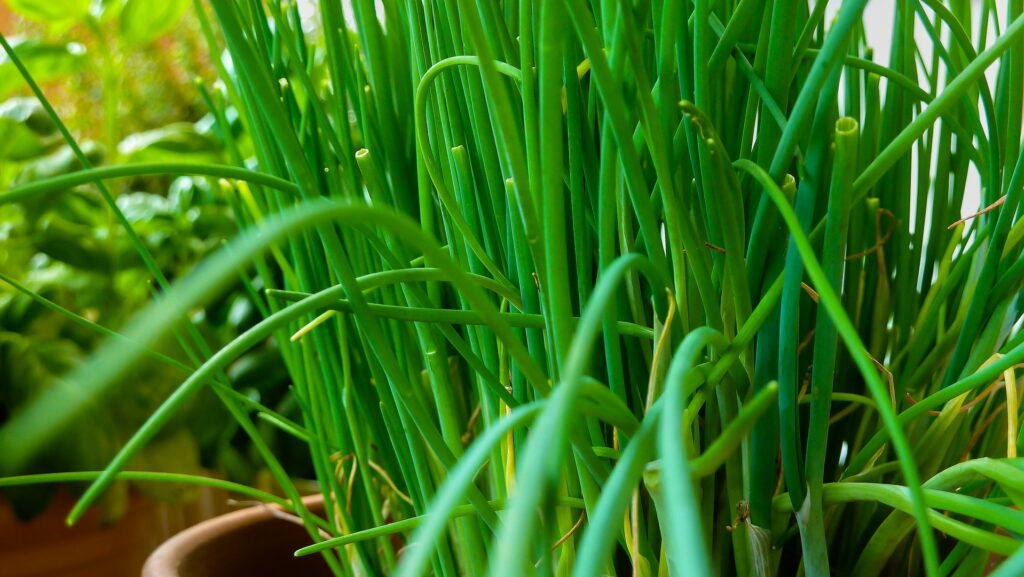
167	558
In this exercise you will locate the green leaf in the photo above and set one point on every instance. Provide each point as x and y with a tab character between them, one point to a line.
25	130
60	162
144	206
50	11
44	60
75	245
143	21
178	142
106	10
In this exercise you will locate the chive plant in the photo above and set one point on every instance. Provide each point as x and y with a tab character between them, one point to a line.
612	288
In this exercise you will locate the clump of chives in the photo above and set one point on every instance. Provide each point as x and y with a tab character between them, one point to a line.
611	288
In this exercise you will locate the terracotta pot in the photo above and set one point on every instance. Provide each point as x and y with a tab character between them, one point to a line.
251	542
46	547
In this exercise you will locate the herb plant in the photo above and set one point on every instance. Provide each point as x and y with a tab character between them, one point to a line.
613	288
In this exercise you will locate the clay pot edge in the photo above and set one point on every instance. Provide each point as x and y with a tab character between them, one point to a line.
166	559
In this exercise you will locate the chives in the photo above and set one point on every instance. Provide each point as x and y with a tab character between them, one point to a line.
628	273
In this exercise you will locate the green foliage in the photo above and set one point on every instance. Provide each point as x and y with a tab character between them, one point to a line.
678	288
25	130
62	252
178	142
143	21
51	11
45	61
67	251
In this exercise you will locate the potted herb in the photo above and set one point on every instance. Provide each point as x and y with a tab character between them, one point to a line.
615	288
